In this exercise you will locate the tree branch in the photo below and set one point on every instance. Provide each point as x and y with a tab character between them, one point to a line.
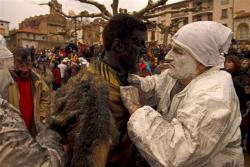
105	17
150	5
147	16
165	28
101	7
114	6
150	2
82	14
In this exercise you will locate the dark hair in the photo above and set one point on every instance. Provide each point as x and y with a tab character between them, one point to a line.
121	26
235	60
21	53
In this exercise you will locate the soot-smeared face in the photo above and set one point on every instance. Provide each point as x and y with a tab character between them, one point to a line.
134	47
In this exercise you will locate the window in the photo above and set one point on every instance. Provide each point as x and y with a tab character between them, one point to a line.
197	3
210	17
198	18
224	2
185	21
225	25
152	35
2	31
224	14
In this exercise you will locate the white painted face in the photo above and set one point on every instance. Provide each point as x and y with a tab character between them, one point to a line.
182	65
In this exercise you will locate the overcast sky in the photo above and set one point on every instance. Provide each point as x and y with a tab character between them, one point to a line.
16	11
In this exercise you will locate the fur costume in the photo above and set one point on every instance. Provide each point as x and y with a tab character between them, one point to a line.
89	115
84	117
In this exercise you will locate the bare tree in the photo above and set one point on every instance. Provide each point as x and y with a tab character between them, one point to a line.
146	13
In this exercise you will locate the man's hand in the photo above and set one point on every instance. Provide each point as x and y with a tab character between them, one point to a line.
130	98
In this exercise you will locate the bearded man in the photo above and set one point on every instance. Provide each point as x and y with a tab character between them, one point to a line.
197	122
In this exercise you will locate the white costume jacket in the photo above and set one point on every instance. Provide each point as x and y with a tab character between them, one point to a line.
199	128
18	148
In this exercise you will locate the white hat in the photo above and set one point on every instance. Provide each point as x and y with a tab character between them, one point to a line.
206	41
6	57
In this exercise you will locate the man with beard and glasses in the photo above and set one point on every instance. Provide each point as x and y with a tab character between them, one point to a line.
91	113
197	122
28	92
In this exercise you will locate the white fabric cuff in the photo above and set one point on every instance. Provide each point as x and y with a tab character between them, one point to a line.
140	120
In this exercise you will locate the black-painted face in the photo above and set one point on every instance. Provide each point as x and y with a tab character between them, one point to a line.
135	47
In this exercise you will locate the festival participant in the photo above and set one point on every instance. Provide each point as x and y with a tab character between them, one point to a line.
197	122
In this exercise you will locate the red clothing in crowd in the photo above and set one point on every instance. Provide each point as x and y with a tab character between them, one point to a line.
57	76
144	70
26	101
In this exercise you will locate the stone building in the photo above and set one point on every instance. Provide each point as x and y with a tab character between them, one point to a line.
27	38
92	32
52	27
4	28
231	13
242	26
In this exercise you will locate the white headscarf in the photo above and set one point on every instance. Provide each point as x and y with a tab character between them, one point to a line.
206	41
6	61
6	57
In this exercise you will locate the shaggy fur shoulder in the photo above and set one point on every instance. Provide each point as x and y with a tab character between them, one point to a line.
82	116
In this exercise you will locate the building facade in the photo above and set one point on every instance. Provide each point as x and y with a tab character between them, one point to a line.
4	28
92	33
53	28
27	38
234	14
242	27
